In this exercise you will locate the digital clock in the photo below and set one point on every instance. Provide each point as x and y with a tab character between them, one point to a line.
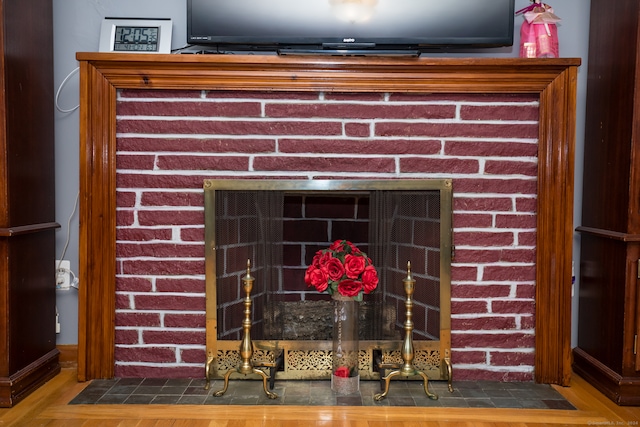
143	39
136	35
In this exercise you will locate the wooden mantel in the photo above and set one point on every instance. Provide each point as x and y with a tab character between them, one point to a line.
102	74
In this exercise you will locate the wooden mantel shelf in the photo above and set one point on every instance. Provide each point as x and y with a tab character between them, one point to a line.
350	74
102	74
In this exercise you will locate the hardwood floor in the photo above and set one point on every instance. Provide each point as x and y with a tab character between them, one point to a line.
47	406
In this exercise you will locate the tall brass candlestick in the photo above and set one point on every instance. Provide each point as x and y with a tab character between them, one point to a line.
405	369
246	346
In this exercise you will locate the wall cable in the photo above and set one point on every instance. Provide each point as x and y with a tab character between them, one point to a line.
64	82
74	282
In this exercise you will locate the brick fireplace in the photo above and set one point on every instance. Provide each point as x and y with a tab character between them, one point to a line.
499	148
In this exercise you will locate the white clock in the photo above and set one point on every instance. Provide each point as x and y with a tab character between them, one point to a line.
136	35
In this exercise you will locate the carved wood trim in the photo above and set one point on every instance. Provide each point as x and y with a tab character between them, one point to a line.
102	74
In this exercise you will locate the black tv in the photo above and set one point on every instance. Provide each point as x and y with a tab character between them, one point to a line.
349	26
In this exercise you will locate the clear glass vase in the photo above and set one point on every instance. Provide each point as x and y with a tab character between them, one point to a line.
345	375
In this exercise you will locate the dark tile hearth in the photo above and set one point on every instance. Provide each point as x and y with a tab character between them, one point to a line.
467	394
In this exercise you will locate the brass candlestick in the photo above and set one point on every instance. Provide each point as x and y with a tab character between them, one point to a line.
405	369
246	367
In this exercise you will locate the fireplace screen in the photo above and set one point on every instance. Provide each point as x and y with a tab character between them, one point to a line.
278	225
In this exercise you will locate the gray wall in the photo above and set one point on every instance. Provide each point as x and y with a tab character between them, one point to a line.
76	29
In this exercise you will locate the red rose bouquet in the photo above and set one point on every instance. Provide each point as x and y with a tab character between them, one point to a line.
342	268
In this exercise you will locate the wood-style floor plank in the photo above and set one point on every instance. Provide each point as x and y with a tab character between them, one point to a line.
48	407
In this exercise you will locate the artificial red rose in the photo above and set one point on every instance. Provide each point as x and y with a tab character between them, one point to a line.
349	287
340	268
369	279
337	246
354	248
325	257
334	269
316	259
342	372
353	266
316	277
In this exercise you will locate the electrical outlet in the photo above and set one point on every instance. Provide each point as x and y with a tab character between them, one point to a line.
63	274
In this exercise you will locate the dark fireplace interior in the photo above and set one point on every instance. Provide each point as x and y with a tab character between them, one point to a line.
279	231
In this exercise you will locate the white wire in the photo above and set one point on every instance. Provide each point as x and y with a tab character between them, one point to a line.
66	245
66	79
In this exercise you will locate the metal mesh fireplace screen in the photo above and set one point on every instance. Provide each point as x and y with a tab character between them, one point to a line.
279	225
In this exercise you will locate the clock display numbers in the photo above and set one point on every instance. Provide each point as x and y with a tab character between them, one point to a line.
136	39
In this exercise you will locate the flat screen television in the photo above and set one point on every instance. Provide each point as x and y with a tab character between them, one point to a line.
302	26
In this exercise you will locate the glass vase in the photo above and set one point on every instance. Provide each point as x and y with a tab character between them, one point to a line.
345	375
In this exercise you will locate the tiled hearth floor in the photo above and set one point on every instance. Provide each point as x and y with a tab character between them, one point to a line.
467	394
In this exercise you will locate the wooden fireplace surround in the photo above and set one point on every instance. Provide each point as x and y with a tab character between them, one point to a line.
102	74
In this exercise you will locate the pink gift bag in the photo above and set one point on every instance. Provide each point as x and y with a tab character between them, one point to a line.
539	34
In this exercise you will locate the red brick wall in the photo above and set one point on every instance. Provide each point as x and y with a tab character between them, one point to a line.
170	141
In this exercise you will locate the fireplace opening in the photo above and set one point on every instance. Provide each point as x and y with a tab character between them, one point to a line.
279	225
